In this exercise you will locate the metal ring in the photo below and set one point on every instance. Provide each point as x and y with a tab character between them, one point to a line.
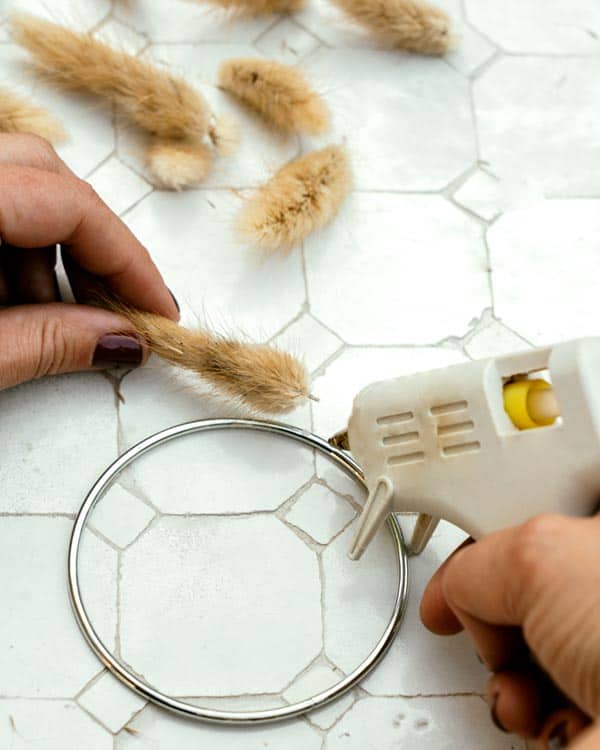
119	670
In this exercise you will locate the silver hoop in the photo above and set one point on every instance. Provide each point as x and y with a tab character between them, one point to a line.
121	672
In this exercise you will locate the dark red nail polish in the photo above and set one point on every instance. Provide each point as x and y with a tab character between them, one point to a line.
114	349
558	737
494	715
175	301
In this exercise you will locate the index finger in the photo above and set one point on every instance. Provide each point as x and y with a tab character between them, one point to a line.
39	208
435	611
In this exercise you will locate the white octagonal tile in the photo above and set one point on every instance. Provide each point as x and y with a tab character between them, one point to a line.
49	725
109	701
80	14
357	368
58	435
211	606
407	270
98	573
154	729
248	702
494	339
218	472
539	26
44	654
538	117
212	273
546	270
388	109
320	513
121	36
419	724
309	340
158	396
13	61
287	42
118	186
88	122
358	597
189	21
453	664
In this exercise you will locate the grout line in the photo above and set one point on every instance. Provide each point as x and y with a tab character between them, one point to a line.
220	514
416	696
322	580
118	594
26	514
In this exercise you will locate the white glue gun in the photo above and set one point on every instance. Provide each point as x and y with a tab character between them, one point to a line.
485	444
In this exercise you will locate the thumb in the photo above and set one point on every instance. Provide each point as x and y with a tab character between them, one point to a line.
589	740
38	340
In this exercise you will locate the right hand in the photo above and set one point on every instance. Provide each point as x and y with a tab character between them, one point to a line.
532	590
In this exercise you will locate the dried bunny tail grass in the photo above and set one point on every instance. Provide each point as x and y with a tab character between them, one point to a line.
411	25
177	164
224	135
301	197
17	115
280	93
262	377
152	98
259	7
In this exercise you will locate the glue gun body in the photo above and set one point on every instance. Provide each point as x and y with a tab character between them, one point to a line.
459	443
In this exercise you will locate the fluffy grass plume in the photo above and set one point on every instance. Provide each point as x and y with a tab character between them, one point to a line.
155	100
280	93
259	7
410	25
301	197
17	115
263	378
178	163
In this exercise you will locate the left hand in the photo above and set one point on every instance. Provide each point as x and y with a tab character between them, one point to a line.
43	204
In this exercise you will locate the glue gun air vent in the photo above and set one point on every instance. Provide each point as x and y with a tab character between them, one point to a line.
452	420
410	438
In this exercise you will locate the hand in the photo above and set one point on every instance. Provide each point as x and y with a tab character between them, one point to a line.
529	597
42	204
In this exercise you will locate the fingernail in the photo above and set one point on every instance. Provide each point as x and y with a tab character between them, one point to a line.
494	715
175	301
115	349
558	738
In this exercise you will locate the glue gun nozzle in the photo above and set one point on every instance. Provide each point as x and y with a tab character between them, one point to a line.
376	509
356	551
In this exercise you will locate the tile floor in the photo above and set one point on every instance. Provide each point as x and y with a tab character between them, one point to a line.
473	230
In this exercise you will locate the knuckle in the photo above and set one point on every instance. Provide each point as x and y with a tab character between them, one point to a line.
42	153
53	349
87	192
